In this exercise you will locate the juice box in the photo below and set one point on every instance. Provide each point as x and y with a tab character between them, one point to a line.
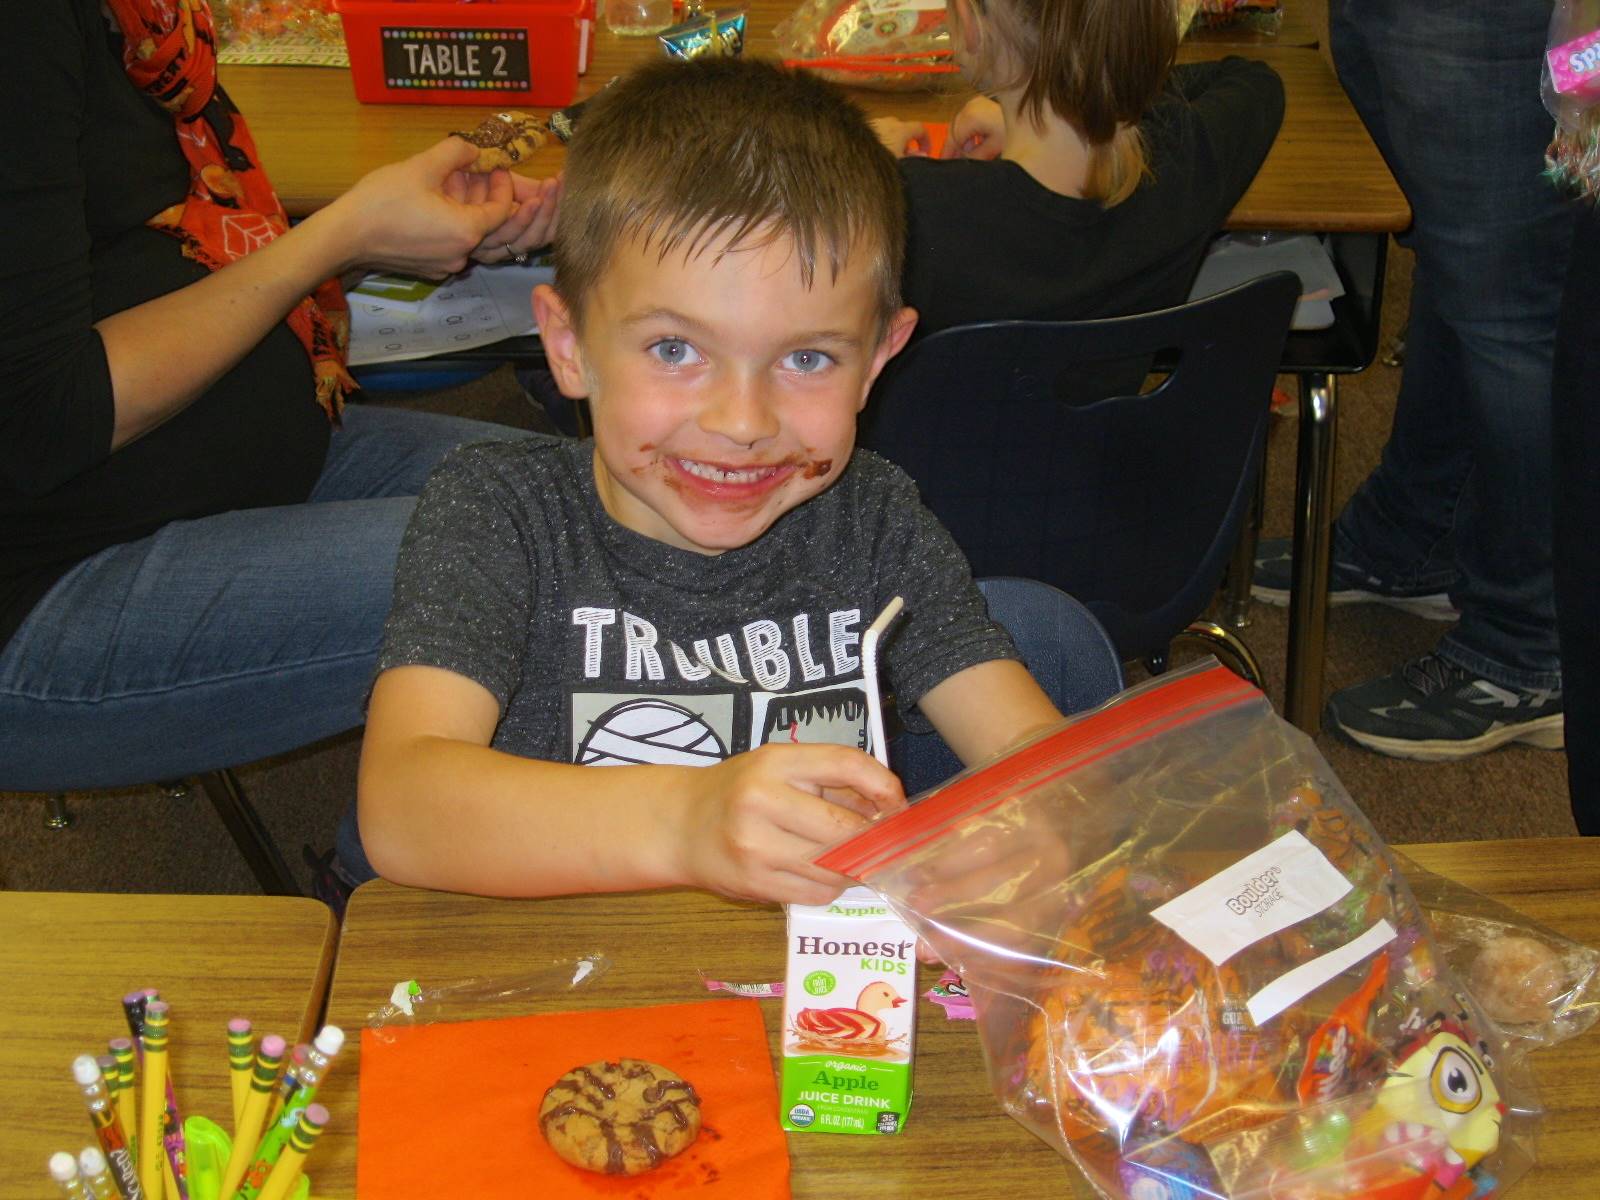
849	1017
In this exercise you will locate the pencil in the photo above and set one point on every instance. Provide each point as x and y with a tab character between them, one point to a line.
241	1053
268	1055
293	1159
312	1071
64	1170
96	1174
86	1072
127	1093
154	1101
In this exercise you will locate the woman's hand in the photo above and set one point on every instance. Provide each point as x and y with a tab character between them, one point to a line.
530	226
421	216
905	139
979	131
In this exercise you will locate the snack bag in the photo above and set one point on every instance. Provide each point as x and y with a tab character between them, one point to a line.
1570	88
892	45
1196	970
1264	16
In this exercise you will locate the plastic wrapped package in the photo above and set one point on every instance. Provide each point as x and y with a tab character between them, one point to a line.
1196	970
1570	87
1263	16
890	45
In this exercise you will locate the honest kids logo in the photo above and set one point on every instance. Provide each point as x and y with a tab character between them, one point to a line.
1259	894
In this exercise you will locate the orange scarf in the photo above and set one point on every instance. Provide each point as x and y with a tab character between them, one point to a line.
170	54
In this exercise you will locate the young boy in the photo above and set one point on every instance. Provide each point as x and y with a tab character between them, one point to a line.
682	599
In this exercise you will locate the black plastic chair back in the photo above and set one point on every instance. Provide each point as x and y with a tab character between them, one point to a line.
1129	503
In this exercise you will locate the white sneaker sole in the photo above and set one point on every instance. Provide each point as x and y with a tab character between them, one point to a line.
1431	608
1544	733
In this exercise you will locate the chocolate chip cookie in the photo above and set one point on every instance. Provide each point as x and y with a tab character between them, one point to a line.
619	1118
504	140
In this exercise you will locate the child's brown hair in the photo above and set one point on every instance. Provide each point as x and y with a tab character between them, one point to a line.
680	155
1099	64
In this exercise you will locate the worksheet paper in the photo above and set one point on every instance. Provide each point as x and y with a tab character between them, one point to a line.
393	319
1236	258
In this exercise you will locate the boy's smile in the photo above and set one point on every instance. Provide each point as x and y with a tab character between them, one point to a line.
724	391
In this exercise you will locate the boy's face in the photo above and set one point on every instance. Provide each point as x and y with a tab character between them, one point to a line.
723	390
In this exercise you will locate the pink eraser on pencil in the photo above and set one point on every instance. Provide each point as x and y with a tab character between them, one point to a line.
1575	67
238	1025
272	1046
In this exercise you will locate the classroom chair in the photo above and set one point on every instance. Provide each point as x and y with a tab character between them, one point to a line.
1132	504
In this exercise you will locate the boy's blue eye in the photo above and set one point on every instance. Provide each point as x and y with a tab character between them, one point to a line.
675	352
806	362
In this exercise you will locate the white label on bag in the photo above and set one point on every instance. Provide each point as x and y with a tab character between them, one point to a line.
1291	985
1282	883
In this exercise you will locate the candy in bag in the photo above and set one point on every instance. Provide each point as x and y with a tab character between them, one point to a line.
1196	969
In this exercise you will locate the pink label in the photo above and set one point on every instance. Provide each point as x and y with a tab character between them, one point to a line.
1575	67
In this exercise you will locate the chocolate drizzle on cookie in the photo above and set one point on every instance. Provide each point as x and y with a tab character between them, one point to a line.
623	1114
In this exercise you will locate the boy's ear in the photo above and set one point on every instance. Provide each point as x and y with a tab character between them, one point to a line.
562	349
893	341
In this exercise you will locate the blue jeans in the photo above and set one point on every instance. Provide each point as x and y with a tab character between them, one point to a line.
226	639
1461	499
1062	644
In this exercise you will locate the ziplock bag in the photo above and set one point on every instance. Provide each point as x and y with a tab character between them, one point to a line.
1196	969
890	45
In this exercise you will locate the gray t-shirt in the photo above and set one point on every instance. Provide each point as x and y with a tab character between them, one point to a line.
604	646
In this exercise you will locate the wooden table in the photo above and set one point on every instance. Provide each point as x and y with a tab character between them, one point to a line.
1323	175
68	959
956	1140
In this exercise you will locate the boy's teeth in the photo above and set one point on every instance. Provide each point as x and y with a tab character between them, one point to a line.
718	475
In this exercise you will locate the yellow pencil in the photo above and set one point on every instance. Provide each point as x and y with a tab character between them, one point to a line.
241	1053
248	1130
312	1118
127	1094
152	1159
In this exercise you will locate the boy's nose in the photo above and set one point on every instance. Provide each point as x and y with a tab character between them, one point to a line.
741	411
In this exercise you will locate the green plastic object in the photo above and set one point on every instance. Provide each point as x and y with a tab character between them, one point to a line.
209	1147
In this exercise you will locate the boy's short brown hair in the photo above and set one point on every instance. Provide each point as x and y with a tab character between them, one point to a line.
680	155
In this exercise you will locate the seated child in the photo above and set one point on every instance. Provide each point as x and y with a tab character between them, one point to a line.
682	598
1090	183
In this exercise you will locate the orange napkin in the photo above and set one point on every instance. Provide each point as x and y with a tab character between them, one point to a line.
452	1109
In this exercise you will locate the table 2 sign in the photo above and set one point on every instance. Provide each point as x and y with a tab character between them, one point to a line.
456	58
418	52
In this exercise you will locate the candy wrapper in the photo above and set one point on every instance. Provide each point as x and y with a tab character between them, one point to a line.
1264	16
890	45
711	34
1570	88
1196	970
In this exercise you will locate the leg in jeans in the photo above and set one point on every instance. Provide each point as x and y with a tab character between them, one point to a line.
226	639
1461	497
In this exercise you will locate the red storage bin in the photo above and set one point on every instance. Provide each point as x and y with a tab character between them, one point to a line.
403	52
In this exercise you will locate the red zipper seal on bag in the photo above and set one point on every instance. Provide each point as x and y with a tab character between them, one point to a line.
1166	706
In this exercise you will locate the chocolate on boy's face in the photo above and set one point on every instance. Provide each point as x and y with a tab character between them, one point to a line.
724	392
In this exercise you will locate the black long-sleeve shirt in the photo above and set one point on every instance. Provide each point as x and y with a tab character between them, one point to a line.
85	161
988	242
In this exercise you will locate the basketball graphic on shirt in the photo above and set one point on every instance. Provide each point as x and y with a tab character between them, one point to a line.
650	730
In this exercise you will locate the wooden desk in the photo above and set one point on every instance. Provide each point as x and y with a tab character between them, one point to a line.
956	1141
68	959
1323	175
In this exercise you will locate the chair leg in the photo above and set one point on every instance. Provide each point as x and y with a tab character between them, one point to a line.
56	815
249	834
1241	571
1243	660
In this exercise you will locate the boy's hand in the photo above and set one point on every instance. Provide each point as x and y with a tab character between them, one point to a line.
905	139
979	131
758	819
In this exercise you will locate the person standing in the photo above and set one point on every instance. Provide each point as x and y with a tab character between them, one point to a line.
1455	521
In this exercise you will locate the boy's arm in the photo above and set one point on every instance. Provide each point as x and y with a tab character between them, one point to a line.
987	709
441	808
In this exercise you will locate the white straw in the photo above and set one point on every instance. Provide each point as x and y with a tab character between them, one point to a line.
869	677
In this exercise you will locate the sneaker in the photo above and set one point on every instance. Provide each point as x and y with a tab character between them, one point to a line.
1347	584
1435	711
